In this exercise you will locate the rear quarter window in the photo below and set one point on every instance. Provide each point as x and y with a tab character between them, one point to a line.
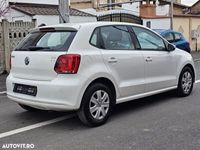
95	38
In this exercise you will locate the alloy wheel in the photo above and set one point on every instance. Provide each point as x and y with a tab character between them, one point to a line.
187	82
99	104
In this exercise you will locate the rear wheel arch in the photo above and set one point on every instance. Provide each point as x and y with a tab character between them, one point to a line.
107	82
103	85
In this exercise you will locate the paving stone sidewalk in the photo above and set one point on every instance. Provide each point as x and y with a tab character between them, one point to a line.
196	55
3	82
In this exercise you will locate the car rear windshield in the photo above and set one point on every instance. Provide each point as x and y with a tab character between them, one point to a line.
47	41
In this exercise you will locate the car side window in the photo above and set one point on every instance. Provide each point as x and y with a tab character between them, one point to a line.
148	40
177	36
116	38
169	37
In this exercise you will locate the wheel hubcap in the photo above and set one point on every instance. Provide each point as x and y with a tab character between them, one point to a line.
186	82
99	104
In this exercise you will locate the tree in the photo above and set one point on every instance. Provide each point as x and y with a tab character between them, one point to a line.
4	7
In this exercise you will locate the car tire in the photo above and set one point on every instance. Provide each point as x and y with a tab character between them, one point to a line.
97	105
28	108
186	82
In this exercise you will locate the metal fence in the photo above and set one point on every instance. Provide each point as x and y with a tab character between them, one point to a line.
120	17
11	33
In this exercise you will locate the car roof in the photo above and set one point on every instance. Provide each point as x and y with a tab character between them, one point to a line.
77	26
163	31
160	30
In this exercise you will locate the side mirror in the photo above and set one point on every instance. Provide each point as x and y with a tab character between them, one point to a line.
171	47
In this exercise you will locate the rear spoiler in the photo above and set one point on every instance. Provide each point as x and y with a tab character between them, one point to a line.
54	28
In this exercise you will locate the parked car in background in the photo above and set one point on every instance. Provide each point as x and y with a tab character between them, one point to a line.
90	67
175	38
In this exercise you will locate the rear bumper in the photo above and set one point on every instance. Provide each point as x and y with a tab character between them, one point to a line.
61	94
41	104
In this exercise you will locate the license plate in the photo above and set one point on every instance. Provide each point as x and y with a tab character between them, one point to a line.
25	89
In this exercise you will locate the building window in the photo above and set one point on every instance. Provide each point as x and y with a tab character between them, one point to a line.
148	24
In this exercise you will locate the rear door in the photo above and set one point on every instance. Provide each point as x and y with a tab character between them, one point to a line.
160	65
124	61
35	57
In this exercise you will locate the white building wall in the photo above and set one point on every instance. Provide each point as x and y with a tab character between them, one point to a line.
46	19
134	8
52	19
77	19
14	15
163	10
158	23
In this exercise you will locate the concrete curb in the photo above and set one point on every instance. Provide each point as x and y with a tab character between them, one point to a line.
195	60
4	92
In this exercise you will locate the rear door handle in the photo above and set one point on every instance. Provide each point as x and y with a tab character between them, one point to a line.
112	60
149	59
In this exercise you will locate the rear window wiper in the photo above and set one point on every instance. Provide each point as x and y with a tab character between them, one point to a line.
35	48
21	49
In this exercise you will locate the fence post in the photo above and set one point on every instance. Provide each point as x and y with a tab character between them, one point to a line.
34	22
6	41
1	50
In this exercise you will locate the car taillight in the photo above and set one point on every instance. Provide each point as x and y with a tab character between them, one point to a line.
67	64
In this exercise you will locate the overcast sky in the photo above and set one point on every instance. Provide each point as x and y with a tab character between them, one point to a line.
189	2
186	2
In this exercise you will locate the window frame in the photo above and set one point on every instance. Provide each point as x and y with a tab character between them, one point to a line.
164	41
100	43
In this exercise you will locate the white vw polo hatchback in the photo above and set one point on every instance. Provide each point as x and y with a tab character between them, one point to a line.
90	67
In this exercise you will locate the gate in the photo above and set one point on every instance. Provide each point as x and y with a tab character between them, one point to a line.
120	17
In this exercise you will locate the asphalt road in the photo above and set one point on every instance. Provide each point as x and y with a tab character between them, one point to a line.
160	122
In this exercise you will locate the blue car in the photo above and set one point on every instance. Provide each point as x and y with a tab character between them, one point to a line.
175	38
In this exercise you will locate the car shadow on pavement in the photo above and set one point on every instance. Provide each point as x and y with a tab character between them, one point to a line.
143	103
120	111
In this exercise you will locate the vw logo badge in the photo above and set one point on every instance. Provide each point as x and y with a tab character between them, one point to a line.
27	61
